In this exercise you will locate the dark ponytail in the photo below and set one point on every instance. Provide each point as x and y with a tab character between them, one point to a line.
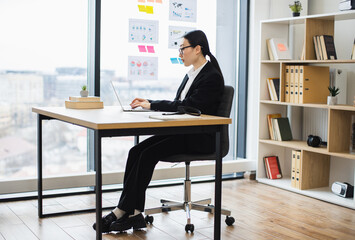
197	37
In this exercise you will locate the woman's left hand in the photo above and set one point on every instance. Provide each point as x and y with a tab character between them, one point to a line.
140	102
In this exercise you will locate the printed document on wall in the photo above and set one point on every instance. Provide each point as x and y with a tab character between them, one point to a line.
142	68
143	31
182	10
175	35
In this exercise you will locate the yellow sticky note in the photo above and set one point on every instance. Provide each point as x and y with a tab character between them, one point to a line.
142	8
149	9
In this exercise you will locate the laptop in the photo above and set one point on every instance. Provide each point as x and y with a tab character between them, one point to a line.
128	108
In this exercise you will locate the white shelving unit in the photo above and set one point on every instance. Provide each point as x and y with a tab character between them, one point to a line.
338	123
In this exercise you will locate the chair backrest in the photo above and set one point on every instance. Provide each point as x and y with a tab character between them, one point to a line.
224	110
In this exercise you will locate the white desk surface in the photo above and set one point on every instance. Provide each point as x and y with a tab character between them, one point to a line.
112	117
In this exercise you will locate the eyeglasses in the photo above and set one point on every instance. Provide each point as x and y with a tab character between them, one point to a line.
181	50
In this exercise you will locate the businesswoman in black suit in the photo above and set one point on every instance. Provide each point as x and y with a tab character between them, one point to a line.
201	88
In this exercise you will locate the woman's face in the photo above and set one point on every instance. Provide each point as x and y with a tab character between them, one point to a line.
187	53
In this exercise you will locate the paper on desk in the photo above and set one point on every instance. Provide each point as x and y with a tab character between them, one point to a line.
173	117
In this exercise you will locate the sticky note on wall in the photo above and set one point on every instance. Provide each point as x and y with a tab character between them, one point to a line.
142	48
150	49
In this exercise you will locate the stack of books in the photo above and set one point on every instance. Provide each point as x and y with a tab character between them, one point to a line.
272	167
90	102
324	47
279	127
274	88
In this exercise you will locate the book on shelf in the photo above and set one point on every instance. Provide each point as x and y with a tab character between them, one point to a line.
269	50
273	168
324	47
269	119
278	49
274	88
328	47
84	99
282	129
353	52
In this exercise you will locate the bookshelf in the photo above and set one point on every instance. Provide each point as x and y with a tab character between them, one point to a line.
334	161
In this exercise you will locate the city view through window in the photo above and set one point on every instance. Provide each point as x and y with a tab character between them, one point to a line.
43	61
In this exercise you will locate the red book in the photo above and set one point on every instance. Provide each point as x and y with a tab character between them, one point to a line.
273	167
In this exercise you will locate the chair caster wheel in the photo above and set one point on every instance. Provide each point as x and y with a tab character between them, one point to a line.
229	220
149	219
189	227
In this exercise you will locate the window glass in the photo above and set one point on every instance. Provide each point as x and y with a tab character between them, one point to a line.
43	58
139	53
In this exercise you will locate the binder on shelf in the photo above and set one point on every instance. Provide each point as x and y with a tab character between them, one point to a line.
287	83
314	81
295	84
292	82
298	169
300	84
293	169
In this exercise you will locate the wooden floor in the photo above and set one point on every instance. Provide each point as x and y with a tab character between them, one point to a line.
261	212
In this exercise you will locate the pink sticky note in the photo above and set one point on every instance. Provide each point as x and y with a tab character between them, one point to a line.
142	48
142	1
159	1
150	0
150	49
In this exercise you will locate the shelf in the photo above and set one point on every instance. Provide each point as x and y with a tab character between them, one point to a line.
338	61
302	145
312	105
324	193
337	16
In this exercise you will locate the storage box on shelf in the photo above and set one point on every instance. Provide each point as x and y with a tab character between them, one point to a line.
315	170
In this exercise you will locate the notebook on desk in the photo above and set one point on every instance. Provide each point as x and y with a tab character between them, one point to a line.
128	108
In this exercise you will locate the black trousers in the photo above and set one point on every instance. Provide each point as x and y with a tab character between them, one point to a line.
143	158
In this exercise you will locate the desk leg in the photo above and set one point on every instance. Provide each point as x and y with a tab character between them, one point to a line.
39	166
98	185
218	188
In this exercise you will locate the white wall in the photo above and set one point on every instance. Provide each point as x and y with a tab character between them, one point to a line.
268	9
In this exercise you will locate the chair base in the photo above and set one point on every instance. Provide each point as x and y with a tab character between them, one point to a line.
201	205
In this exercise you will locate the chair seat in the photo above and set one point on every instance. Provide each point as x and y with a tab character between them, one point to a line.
190	157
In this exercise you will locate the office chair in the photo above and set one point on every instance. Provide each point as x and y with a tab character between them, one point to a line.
170	205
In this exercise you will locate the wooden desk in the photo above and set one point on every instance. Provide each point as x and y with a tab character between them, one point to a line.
111	122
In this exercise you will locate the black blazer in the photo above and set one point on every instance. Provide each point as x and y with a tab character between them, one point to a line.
204	94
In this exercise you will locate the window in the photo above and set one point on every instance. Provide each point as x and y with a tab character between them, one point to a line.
43	59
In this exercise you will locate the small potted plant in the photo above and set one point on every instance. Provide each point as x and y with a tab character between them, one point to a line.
296	8
84	92
332	99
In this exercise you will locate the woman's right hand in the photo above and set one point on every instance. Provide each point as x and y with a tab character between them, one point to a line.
140	102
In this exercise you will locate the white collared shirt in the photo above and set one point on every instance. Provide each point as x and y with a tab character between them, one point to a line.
192	75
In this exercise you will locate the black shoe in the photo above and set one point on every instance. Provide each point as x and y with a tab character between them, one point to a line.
125	223
106	222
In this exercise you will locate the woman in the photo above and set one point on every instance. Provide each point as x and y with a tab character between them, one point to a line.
201	88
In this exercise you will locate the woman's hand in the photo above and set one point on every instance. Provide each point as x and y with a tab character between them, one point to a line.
140	102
